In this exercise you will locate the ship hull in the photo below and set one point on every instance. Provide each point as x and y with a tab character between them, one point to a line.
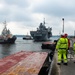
8	41
27	38
40	36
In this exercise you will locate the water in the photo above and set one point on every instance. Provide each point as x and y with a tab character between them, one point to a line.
21	45
54	38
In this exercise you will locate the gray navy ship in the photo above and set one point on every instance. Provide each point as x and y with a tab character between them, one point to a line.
42	33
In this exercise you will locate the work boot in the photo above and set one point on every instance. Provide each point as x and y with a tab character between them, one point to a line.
66	64
59	63
62	61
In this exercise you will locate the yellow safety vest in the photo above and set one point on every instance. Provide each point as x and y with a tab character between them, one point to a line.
74	46
62	43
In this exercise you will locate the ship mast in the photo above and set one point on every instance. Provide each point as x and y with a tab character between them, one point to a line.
4	32
5	24
44	21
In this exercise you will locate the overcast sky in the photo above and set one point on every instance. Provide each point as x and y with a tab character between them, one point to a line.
22	16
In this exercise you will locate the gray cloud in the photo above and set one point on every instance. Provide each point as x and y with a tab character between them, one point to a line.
19	3
56	8
31	13
15	11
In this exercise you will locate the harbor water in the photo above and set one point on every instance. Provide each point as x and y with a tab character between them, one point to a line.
21	45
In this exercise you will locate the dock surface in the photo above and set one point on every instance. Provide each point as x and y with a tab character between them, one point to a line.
63	69
67	69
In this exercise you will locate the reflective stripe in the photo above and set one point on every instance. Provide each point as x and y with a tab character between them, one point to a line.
63	43
62	48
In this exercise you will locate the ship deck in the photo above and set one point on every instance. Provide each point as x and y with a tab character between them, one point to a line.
23	63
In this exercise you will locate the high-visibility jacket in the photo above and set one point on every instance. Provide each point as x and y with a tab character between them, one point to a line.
69	43
74	46
62	43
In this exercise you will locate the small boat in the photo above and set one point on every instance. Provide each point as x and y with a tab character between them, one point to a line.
48	45
6	36
27	37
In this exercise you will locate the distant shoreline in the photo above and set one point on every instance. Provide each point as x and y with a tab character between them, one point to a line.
52	36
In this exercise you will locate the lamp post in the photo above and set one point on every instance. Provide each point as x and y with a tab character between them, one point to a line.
74	33
63	25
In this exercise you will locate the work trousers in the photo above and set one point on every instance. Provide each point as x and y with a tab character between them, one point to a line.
62	56
74	57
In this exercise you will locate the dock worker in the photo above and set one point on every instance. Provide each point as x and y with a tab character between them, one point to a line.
66	36
74	50
61	47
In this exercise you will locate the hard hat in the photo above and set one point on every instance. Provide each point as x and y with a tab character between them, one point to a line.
65	34
62	35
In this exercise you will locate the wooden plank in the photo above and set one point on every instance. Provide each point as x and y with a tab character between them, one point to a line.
31	65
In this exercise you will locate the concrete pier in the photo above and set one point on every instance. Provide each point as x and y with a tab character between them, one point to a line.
63	69
55	67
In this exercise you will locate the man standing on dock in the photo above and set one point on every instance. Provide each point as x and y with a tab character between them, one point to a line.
62	47
74	50
66	36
